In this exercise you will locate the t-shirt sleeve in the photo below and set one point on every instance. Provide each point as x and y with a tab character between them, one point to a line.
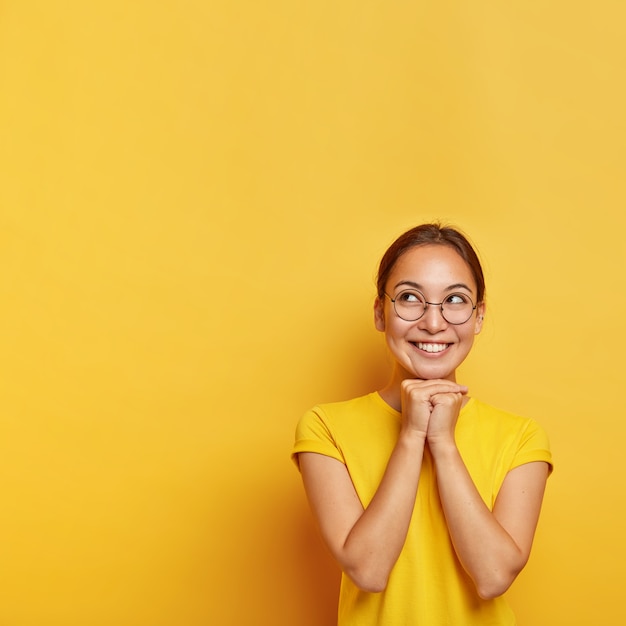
314	435
533	446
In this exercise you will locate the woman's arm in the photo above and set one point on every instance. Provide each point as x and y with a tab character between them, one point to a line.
367	542
493	547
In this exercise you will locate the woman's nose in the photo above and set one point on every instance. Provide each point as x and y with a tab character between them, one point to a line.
433	319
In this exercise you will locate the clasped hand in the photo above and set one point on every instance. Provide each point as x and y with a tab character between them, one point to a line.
431	407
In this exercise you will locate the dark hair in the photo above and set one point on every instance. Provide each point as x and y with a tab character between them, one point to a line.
431	234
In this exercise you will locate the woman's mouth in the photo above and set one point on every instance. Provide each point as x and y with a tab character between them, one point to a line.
431	347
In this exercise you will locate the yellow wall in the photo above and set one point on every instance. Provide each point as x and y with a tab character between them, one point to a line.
194	197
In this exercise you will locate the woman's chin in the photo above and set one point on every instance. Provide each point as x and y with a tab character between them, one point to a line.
429	372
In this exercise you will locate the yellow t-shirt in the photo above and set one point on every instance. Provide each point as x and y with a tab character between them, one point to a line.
427	586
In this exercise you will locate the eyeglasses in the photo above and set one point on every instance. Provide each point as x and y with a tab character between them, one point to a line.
410	305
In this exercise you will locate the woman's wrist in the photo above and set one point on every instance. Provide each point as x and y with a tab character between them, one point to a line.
443	447
412	437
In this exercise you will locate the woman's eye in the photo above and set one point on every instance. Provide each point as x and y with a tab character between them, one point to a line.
457	298
409	297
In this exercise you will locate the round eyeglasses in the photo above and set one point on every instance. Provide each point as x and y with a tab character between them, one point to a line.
410	305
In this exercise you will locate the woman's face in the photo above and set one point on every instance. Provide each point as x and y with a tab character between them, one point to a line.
429	347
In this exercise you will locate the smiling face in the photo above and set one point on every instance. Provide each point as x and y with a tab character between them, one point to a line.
429	347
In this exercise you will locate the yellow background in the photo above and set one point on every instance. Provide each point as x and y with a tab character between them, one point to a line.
194	197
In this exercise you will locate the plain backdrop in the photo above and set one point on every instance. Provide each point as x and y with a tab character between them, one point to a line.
194	197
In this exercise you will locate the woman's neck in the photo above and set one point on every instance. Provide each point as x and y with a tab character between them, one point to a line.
391	395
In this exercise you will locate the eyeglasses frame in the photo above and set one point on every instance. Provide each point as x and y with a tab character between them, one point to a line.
439	304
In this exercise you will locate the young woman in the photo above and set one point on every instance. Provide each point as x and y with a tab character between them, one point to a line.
428	499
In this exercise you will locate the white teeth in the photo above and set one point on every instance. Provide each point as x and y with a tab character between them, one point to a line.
432	347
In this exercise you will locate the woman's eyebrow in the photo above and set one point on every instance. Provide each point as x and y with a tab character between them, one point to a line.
459	286
410	283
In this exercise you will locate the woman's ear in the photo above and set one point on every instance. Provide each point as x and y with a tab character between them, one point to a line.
379	314
480	316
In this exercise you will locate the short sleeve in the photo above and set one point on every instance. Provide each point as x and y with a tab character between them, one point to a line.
533	446
314	435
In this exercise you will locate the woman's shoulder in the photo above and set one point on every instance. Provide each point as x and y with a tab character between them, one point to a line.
357	406
490	415
524	438
485	409
325	425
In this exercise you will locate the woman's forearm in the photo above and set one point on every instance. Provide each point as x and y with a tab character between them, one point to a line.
492	552
374	544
